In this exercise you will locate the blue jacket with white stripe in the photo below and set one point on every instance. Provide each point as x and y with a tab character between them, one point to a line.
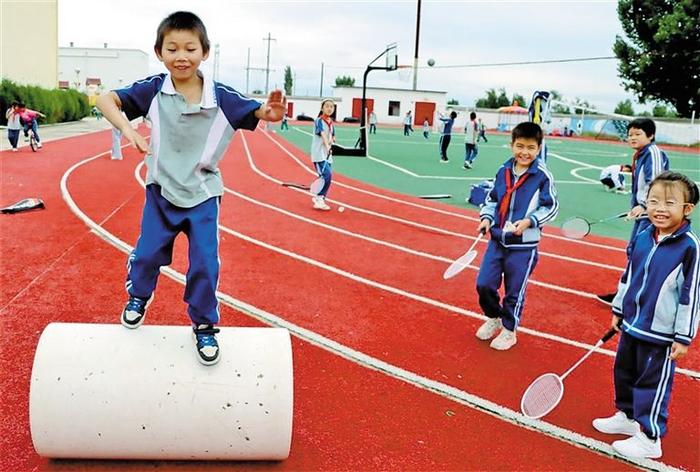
658	296
535	199
650	162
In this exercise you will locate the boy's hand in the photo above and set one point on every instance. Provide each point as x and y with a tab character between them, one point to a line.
635	212
521	225
678	350
484	226
616	322
275	107
136	140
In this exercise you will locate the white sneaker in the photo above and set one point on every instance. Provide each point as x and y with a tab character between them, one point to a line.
639	446
504	341
39	145
617	424
14	149
115	158
489	329
320	204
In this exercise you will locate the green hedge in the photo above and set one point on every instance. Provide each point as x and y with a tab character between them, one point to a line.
58	105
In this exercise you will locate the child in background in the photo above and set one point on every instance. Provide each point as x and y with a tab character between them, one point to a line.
284	126
656	308
611	177
482	132
648	162
193	121
28	117
522	200
321	145
470	134
426	128
13	125
446	135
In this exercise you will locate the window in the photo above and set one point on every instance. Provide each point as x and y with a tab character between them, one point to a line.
394	108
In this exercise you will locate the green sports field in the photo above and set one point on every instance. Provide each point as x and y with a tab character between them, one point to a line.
411	165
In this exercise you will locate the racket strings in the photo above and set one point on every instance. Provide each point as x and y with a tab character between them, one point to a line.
542	396
575	228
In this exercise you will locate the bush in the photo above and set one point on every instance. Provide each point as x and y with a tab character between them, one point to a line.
58	105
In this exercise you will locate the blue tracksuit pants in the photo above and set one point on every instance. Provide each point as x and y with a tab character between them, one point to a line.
162	222
513	266
643	381
324	170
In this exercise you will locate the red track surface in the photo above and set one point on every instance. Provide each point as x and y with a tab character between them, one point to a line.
347	416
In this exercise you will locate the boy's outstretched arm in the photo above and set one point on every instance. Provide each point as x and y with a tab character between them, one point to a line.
275	107
110	106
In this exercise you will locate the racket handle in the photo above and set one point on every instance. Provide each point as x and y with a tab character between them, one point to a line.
482	231
609	334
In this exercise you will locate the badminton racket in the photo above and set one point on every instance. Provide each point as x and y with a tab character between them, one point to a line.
317	185
459	264
295	185
578	227
547	390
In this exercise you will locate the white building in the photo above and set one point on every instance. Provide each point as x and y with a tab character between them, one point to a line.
103	68
391	104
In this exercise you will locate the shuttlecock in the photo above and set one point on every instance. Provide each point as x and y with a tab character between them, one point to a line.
341	209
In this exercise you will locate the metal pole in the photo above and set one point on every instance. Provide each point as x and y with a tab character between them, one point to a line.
415	56
320	92
247	73
269	39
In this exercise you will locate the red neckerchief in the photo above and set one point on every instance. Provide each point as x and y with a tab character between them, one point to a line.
634	161
510	188
329	122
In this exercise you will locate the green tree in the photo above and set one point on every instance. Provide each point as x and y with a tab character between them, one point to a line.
288	80
558	107
659	59
625	108
520	99
489	101
453	101
662	111
344	81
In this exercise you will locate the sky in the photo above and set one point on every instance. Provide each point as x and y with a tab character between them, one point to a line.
345	36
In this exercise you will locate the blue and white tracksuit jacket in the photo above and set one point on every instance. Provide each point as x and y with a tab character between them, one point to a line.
658	299
649	162
509	257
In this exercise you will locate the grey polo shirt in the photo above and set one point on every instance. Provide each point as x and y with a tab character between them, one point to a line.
187	141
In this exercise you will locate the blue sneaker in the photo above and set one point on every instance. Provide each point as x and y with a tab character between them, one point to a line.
207	345
134	312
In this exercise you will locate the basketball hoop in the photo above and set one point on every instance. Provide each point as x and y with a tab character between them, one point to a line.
405	73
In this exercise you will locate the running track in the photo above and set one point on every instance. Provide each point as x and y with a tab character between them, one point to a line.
388	374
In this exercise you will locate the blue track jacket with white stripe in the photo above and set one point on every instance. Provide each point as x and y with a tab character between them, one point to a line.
535	199
658	295
650	162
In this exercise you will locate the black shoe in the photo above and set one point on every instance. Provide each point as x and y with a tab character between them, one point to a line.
607	298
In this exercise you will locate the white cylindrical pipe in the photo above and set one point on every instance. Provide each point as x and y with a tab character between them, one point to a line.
104	391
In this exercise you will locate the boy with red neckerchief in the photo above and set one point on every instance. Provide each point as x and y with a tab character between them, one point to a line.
522	200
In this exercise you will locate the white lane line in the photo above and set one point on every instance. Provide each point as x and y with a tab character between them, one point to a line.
465	398
429	208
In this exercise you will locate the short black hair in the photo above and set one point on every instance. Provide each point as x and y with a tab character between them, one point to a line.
527	130
182	20
645	124
472	115
669	179
453	115
627	166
